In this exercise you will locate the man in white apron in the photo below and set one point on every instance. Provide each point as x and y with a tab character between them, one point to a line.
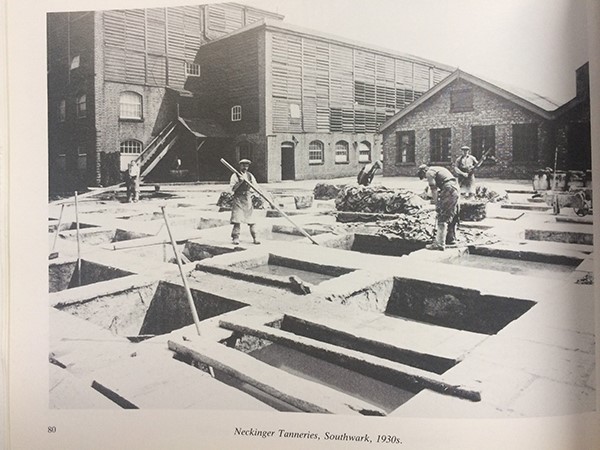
241	206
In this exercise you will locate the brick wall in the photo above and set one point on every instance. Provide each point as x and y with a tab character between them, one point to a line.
488	109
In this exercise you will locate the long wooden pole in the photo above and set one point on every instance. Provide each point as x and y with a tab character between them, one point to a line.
62	208
78	244
259	192
183	277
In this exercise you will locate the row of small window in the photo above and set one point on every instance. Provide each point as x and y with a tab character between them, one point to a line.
191	69
130	107
316	152
483	139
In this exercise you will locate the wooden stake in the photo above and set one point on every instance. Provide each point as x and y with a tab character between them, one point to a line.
259	192
52	254
183	277
78	244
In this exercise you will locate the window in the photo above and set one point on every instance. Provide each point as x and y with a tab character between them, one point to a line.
192	69
81	106
315	152
61	161
74	62
342	153
130	106
62	110
236	113
364	152
524	142
244	151
461	99
483	138
440	141
294	111
406	147
81	158
131	147
129	150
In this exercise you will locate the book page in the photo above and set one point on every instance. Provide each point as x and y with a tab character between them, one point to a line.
301	345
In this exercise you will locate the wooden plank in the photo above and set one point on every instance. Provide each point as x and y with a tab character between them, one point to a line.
298	392
390	372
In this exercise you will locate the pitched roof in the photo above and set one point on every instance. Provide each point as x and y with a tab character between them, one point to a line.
537	104
204	128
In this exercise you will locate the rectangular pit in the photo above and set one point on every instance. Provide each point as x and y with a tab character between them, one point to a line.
149	310
454	307
103	236
64	275
373	244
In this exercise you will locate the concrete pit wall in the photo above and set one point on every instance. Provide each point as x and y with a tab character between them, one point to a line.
170	310
449	306
65	276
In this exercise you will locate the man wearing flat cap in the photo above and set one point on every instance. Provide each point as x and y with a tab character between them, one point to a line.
465	171
444	190
241	205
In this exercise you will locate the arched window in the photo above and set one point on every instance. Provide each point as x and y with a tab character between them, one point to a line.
130	106
315	152
129	150
81	106
236	113
244	150
364	152
342	154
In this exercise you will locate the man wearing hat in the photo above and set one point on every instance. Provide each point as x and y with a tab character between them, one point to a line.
465	171
444	190
241	205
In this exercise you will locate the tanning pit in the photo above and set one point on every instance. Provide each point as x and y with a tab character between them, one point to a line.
65	275
97	236
147	311
453	307
374	244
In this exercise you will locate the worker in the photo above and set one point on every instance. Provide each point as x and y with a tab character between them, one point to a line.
465	171
241	205
366	174
133	181
445	193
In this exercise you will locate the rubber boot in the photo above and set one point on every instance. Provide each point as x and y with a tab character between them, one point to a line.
440	237
451	233
253	233
235	234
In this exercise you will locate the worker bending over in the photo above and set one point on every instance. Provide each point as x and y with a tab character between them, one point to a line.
444	190
366	174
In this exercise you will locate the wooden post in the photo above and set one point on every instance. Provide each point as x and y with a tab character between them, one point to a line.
183	277
78	244
62	208
259	192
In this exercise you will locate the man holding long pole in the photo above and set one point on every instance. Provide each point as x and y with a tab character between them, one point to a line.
241	206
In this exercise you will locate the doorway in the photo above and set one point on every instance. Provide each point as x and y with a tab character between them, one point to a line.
288	168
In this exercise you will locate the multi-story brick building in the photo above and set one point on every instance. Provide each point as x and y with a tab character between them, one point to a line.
198	83
523	131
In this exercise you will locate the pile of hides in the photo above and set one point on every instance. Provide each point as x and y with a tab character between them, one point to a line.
324	191
226	198
378	199
484	193
472	211
421	227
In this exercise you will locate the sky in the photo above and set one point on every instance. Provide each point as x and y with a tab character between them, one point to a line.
534	45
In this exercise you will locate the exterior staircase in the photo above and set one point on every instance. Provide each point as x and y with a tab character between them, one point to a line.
158	148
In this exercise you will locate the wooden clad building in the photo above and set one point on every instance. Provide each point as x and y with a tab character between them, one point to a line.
230	80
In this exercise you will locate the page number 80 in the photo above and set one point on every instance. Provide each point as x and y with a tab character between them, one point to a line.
51	429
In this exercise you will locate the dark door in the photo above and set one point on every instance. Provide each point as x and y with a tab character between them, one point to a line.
288	170
579	146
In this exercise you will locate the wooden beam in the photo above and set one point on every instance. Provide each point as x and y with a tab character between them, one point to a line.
397	374
303	394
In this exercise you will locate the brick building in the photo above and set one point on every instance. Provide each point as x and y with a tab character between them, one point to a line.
523	131
197	83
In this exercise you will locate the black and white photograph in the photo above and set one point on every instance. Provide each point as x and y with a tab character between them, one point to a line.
375	215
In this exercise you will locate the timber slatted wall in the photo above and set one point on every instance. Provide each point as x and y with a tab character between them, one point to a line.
339	88
150	46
